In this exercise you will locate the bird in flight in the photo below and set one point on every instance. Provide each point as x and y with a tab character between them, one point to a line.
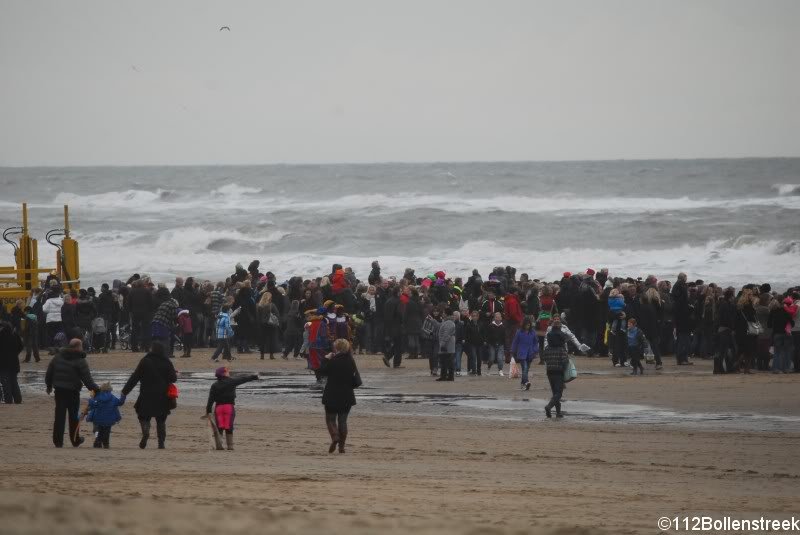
224	28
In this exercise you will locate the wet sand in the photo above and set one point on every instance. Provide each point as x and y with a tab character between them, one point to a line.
421	466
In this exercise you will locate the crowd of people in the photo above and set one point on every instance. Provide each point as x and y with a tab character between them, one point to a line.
439	318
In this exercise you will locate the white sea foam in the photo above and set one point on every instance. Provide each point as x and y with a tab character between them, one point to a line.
185	251
787	189
247	199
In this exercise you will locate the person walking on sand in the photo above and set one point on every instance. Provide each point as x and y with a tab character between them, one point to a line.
556	360
338	397
67	373
223	394
524	349
154	374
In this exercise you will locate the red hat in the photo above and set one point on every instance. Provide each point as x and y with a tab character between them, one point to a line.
590	272
440	274
567	274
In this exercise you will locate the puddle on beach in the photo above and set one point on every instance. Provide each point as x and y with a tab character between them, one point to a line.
292	390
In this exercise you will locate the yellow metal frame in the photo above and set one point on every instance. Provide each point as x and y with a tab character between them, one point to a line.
16	282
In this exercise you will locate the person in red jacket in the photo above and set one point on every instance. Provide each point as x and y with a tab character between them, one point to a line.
513	319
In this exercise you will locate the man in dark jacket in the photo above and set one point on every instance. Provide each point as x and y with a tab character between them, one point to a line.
726	344
108	309
393	329
10	347
67	372
140	302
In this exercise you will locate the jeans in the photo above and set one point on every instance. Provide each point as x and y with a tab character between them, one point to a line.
223	348
10	387
161	429
683	346
784	347
524	365
496	355
473	360
556	380
457	357
67	406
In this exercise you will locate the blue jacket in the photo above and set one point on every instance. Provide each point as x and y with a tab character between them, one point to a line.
224	329
103	409
525	345
616	303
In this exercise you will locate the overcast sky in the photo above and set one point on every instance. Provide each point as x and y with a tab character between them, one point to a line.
154	82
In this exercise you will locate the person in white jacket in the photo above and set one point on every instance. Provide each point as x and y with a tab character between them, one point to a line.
52	307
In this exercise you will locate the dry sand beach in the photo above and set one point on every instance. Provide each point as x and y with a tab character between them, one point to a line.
423	457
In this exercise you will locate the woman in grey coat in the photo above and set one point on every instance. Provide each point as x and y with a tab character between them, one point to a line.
446	344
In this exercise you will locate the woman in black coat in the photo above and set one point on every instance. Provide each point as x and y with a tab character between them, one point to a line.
338	397
10	347
155	373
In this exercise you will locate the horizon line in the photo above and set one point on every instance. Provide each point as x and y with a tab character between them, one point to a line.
397	162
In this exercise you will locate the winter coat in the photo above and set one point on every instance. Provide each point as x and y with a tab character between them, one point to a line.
185	322
473	335
446	337
108	306
140	302
263	314
649	318
488	309
636	342
412	317
224	329
681	310
392	320
68	316
85	312
153	374
52	307
104	409
223	391
525	345
167	313
513	310
10	347
69	370
341	372
496	334
726	315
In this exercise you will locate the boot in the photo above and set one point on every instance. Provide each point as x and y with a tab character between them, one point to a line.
229	440
145	433
342	439
334	432
161	432
559	414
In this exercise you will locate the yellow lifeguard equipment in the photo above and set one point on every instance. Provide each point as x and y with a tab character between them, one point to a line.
16	282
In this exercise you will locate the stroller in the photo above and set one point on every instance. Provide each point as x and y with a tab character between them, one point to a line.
99	335
124	337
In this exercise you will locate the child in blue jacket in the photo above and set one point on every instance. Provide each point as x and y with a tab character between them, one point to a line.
524	349
104	413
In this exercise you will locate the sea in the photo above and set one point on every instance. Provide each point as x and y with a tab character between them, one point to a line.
732	221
